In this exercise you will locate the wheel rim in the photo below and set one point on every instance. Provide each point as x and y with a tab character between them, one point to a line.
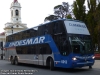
11	61
16	62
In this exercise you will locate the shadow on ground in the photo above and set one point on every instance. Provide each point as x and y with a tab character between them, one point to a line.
56	69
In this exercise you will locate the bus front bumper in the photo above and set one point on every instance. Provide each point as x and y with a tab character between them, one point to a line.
82	64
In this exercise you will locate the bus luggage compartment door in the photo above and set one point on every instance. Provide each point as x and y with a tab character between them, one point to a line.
40	59
36	59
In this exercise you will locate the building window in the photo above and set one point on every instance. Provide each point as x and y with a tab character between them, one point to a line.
17	19
17	12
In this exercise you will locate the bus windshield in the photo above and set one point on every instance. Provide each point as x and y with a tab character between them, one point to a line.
81	45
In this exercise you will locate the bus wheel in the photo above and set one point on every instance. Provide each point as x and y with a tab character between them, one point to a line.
51	64
12	61
16	61
90	67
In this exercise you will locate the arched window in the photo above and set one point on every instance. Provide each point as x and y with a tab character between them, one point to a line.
17	12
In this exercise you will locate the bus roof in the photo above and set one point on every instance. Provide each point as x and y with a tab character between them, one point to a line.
47	23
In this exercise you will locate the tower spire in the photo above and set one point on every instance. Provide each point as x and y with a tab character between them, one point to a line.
15	1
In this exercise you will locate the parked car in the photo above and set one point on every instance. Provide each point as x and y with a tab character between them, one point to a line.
97	55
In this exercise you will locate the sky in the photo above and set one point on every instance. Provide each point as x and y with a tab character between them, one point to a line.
33	12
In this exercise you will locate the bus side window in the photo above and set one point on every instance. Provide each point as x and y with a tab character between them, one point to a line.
46	29
57	28
50	28
42	50
29	50
34	49
24	50
18	50
45	49
41	30
37	49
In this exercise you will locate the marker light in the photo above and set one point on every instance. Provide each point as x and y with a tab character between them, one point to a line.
74	58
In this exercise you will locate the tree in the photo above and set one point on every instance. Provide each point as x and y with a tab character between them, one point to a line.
51	18
90	17
69	16
91	21
97	20
60	12
79	10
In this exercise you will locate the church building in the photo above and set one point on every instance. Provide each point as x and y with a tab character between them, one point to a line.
15	25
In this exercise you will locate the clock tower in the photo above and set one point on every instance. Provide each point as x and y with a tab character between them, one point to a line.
15	12
15	25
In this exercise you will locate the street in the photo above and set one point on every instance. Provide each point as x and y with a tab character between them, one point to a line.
26	69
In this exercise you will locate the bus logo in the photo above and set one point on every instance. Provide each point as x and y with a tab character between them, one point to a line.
30	41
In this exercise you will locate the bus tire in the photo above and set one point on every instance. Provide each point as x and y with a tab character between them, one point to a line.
90	67
16	61
12	61
51	64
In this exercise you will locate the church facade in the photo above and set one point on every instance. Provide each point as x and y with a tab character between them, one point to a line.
15	25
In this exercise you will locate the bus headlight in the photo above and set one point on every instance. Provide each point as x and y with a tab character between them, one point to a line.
74	58
93	57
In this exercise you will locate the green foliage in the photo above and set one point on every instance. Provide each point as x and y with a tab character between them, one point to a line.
79	10
51	18
69	16
91	21
60	12
91	18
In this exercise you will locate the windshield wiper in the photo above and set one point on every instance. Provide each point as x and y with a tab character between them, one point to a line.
79	41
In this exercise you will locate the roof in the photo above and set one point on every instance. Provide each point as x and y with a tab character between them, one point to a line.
3	33
48	23
15	1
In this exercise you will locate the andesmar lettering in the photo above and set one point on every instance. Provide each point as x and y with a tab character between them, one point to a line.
77	25
28	41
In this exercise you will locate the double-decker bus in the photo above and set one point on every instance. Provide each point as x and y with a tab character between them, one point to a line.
61	43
